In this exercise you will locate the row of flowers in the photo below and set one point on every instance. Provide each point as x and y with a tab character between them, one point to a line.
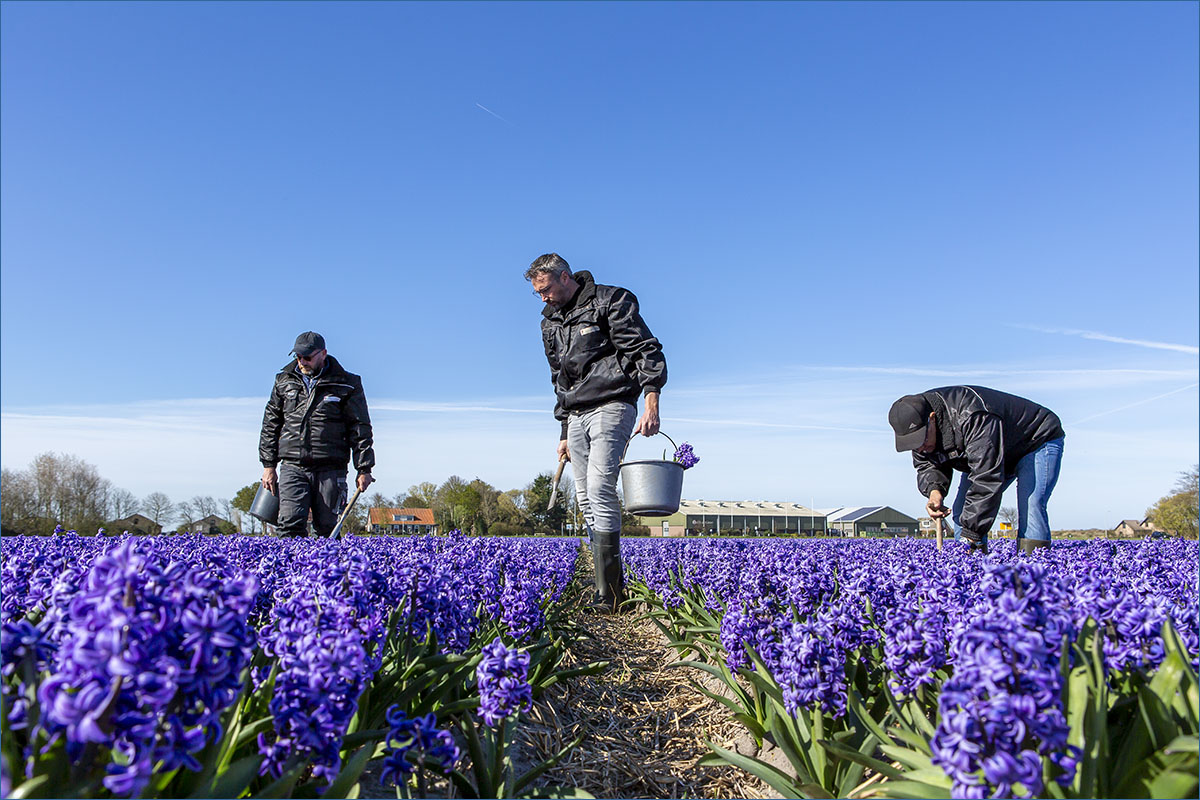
1069	674
172	666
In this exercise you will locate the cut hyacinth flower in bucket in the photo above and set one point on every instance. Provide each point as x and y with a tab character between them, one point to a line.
653	487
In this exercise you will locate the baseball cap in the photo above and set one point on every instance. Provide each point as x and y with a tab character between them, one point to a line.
909	418
308	343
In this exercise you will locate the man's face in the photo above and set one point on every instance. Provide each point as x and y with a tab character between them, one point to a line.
552	288
311	364
930	443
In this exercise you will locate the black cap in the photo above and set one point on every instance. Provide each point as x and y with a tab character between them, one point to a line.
308	343
909	418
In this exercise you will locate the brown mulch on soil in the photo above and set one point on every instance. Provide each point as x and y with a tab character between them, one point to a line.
644	723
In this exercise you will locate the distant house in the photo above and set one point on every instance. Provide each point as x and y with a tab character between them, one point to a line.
1132	529
402	521
134	523
211	525
871	521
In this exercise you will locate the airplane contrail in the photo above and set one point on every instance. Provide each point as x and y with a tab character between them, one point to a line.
1104	337
493	113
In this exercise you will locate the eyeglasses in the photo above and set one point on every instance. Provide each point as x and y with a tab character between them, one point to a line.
549	285
308	357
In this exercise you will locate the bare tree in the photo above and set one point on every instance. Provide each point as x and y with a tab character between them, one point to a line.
205	506
56	489
159	508
123	503
18	500
1009	514
230	513
187	514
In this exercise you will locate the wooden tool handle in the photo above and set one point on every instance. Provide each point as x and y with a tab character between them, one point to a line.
337	529
562	462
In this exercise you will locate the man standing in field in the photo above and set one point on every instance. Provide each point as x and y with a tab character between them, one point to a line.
602	358
991	437
315	420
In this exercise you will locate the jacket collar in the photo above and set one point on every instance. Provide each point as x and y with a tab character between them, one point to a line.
586	291
332	369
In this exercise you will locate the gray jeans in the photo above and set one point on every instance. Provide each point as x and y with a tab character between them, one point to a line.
597	439
322	490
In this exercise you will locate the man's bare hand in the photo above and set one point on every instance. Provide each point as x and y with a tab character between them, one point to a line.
270	480
364	480
649	423
563	451
934	506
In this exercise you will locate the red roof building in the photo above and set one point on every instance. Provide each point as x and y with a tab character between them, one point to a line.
402	521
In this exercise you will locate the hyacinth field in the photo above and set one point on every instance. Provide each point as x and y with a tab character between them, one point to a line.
943	674
247	666
250	666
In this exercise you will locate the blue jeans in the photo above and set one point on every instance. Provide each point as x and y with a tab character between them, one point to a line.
1037	473
597	440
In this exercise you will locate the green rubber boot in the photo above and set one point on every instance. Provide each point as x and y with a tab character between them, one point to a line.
609	574
1027	546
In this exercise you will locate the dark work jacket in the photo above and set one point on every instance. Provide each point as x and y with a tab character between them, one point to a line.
320	429
983	433
600	349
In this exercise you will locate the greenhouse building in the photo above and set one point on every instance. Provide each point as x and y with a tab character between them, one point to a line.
737	518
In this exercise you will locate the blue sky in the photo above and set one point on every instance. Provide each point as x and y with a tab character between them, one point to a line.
821	207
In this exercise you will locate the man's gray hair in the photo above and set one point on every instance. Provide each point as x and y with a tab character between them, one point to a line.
551	264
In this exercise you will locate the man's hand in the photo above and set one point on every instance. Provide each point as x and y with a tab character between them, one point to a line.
564	451
934	506
270	480
364	480
648	424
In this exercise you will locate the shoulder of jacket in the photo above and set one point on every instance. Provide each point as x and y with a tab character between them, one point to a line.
963	399
608	295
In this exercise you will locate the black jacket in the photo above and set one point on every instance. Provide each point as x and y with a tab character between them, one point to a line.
600	349
321	429
984	433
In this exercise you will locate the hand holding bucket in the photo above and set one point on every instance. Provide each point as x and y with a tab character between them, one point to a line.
265	506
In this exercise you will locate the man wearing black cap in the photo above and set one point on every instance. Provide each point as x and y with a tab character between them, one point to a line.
315	421
991	437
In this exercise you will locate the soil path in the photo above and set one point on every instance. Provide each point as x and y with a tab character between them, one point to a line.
644	723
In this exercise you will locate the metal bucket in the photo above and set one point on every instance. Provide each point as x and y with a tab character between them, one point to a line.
265	506
652	487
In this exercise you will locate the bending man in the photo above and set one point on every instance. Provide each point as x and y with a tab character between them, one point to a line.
991	437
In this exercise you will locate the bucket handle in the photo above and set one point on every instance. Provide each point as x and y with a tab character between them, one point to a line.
634	436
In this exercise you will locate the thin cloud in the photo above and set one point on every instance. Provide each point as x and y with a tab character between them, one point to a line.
1136	404
1104	337
745	423
450	408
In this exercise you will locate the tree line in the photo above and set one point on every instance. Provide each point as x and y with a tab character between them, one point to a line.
473	507
62	489
1178	510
